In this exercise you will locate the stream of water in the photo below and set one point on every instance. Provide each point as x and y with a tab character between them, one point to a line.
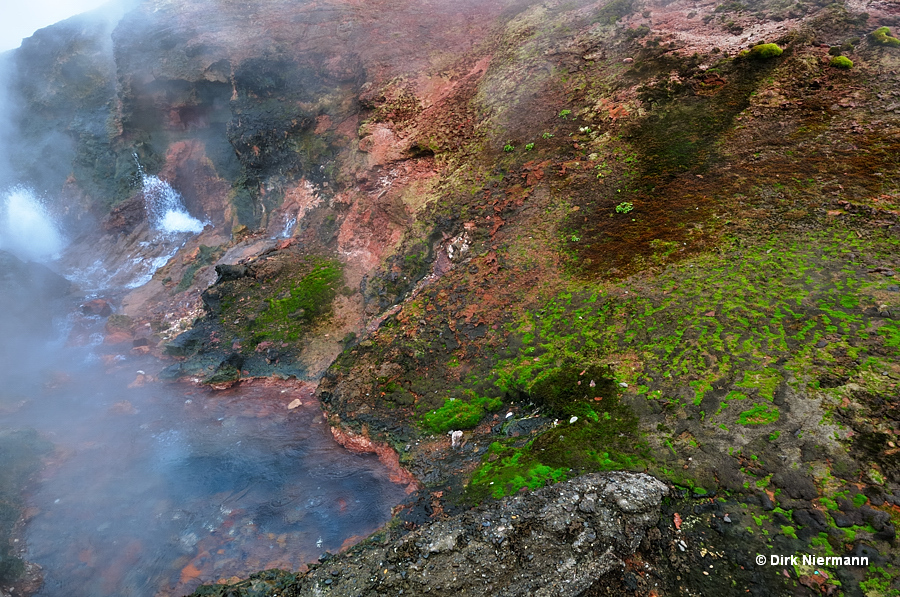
152	488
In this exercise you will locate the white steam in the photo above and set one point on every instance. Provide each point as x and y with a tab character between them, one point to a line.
26	228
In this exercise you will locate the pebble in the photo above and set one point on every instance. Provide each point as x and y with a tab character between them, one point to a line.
726	518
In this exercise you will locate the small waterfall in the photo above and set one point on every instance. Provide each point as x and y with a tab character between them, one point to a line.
165	208
289	228
26	228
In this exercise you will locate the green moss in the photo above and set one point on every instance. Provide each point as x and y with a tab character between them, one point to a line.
841	62
571	390
882	36
764	51
508	470
760	414
613	11
878	583
455	414
821	542
459	414
789	531
766	382
608	440
306	299
859	499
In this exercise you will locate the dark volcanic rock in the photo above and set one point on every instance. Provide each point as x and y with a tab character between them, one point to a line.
795	484
559	540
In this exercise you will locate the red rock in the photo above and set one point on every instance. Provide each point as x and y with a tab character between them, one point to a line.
285	243
386	454
126	216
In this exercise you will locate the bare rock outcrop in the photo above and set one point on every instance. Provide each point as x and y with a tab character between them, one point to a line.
559	540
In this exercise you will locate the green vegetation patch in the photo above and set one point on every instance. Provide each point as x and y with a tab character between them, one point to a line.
301	301
766	382
603	436
764	51
267	582
459	414
573	391
206	256
882	36
20	453
760	414
842	62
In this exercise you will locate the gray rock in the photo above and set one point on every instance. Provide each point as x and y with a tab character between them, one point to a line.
559	540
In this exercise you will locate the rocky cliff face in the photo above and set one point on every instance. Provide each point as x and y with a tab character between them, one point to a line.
654	241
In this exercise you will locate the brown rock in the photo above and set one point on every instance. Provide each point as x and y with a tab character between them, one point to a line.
99	307
117	337
126	216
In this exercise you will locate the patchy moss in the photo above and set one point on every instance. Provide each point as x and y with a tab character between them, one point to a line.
882	36
459	414
603	437
306	299
572	390
206	256
760	414
763	51
841	62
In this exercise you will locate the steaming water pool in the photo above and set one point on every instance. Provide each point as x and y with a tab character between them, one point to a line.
154	488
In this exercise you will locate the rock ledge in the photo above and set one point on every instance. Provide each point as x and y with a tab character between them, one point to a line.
558	540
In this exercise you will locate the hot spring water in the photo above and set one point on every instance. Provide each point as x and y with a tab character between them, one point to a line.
153	488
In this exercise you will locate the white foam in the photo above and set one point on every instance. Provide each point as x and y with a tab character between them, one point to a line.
165	208
26	228
180	221
289	228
